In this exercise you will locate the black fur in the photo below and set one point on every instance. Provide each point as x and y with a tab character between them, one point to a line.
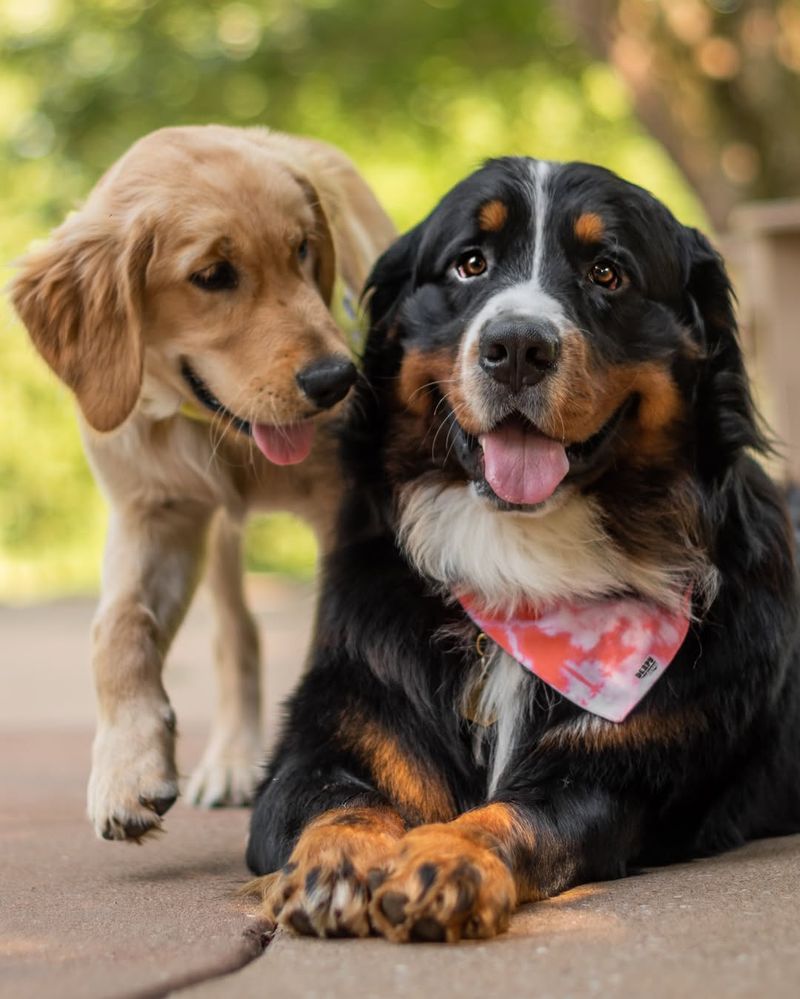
387	646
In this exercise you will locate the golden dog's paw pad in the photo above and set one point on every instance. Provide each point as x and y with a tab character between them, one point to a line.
442	893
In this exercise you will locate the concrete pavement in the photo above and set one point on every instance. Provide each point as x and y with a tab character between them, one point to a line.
81	918
727	927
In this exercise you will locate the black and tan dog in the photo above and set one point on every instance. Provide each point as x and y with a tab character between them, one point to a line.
557	428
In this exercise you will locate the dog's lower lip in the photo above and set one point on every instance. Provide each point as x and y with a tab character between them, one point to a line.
209	401
578	451
584	451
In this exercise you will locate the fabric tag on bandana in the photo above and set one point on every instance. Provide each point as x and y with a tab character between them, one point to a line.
602	655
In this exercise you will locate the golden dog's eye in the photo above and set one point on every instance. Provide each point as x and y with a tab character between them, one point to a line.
221	276
302	250
471	264
606	275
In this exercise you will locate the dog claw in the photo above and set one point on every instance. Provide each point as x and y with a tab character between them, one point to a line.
132	831
158	805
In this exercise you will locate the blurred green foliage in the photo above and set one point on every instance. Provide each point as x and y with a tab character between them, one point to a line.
418	93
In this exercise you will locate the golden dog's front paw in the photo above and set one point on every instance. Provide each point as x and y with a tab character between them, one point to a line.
324	889
229	771
134	780
442	886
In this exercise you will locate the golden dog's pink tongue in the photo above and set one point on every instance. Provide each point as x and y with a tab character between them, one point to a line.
284	445
521	465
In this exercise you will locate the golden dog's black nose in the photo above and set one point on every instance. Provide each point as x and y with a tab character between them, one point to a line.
517	351
327	381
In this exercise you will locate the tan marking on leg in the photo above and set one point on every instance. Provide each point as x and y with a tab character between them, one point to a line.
503	829
498	823
413	786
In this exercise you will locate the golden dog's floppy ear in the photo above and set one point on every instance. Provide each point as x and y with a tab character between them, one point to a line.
80	297
324	250
357	226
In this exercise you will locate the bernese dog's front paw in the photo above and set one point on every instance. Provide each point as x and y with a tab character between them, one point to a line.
324	889
443	886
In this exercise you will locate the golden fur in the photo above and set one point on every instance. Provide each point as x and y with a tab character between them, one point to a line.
108	304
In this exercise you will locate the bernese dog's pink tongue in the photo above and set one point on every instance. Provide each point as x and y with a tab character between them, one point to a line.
521	465
287	445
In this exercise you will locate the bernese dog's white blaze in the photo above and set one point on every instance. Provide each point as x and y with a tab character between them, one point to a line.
528	297
540	172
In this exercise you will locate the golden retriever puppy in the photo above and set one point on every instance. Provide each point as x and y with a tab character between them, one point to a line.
198	279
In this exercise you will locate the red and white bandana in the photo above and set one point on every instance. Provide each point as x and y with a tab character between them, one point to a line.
602	655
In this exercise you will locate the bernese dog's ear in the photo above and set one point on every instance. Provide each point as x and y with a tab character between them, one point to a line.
728	420
710	292
392	278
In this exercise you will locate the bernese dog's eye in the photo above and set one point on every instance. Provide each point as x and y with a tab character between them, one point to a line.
302	250
471	264
220	276
605	274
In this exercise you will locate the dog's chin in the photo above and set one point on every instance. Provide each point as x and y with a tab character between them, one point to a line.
586	461
484	493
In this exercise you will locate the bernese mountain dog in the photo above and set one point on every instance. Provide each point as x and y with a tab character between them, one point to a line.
558	633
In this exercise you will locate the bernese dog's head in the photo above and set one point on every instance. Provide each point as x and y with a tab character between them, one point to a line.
561	383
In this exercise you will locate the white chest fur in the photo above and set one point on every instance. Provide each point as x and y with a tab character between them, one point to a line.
460	540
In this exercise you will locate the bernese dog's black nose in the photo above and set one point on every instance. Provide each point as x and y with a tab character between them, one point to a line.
517	351
327	381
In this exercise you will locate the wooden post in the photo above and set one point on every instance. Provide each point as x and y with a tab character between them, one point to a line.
763	249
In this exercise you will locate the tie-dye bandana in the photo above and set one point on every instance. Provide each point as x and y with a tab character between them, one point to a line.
602	655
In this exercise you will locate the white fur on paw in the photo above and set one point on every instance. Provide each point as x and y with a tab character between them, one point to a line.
228	773
134	780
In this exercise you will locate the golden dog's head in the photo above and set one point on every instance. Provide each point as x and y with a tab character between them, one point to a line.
200	269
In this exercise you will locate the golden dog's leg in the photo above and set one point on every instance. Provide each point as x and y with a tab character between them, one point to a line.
152	562
229	769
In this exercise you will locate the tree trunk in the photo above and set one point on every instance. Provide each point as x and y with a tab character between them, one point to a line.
717	85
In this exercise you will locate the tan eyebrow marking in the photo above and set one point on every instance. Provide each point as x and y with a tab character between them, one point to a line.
492	216
589	227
